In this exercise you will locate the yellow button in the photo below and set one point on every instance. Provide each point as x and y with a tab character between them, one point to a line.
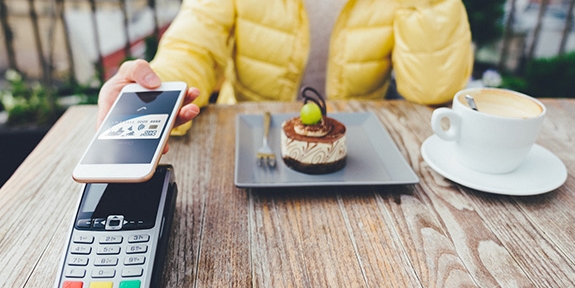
101	284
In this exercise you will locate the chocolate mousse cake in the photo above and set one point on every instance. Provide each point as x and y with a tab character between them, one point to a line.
315	146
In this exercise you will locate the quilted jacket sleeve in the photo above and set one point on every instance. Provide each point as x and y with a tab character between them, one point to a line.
433	54
194	48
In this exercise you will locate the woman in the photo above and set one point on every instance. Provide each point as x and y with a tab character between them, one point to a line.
260	49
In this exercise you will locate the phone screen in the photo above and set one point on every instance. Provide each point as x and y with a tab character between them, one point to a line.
132	130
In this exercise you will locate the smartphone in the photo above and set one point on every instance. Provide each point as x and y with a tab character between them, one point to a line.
120	233
128	145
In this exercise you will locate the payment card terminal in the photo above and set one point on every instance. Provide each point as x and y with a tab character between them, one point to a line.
120	234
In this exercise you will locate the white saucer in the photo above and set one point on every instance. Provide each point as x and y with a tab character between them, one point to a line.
540	172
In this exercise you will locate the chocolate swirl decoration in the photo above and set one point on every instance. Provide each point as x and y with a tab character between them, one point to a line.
314	130
318	99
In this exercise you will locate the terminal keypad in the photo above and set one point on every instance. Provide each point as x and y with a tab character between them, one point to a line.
102	261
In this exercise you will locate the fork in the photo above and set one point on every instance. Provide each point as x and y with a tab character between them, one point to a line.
265	154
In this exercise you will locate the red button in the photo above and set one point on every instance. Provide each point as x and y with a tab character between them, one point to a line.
72	284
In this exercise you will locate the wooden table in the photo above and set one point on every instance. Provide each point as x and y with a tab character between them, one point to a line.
433	234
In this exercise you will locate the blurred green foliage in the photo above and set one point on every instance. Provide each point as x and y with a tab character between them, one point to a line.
28	103
546	77
485	20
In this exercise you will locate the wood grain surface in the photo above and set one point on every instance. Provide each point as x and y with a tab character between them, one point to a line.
432	234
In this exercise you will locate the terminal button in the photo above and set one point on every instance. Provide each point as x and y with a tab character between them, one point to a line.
114	222
138	238
72	284
99	223
84	223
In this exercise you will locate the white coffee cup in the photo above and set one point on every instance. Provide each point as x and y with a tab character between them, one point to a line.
496	138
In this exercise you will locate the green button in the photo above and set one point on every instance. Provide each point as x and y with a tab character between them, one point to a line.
130	284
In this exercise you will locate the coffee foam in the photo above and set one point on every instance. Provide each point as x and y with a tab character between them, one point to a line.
503	103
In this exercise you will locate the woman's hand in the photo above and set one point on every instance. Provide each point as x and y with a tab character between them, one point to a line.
140	71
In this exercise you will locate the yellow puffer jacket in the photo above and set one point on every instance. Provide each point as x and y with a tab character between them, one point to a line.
261	47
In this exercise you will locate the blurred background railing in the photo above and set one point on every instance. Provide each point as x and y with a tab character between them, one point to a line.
529	42
79	41
82	42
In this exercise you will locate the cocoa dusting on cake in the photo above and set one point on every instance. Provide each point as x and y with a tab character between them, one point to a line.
337	130
315	130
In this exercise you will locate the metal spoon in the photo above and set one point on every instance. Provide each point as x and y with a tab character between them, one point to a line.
471	102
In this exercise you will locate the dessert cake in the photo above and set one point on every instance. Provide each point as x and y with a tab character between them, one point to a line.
313	143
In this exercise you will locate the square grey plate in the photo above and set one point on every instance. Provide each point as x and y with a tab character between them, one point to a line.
372	156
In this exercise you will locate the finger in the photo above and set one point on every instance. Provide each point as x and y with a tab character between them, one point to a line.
191	95
189	111
138	71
